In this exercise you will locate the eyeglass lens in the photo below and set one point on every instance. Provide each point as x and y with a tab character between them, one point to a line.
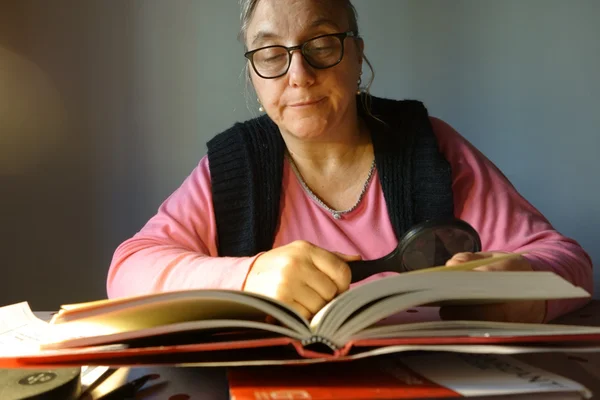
320	52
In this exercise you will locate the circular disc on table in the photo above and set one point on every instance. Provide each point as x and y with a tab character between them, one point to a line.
47	384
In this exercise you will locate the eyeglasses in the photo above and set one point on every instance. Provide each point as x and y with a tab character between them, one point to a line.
321	52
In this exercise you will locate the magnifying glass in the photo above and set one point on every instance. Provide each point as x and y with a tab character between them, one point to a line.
428	244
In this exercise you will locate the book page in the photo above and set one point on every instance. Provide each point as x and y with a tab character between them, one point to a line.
439	328
198	331
380	299
469	265
479	288
363	294
171	309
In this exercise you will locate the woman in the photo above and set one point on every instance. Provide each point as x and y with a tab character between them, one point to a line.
283	202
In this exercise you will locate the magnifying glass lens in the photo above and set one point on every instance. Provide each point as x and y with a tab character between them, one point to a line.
433	247
428	244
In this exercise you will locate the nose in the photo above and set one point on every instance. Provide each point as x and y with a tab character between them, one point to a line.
300	74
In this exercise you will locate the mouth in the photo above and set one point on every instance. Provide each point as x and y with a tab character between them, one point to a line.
307	103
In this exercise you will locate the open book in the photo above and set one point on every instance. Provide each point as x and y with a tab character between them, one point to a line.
363	318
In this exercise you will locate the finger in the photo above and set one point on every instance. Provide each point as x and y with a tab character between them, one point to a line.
320	282
460	258
308	298
348	257
488	312
301	310
497	266
332	266
518	263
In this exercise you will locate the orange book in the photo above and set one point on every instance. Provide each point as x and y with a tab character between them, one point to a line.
415	376
341	380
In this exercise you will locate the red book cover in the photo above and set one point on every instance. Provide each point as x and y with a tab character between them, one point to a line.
372	378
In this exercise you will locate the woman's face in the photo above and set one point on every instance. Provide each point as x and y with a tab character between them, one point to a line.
306	102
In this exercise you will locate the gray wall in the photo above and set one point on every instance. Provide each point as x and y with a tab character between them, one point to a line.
144	84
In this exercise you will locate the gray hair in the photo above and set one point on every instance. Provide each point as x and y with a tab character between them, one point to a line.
247	8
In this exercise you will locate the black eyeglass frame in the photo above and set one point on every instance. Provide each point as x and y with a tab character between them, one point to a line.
341	36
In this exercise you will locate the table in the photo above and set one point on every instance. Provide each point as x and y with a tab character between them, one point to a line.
211	384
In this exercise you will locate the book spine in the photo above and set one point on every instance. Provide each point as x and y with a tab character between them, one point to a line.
320	340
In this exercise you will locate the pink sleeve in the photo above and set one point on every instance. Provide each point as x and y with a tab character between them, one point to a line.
506	221
176	249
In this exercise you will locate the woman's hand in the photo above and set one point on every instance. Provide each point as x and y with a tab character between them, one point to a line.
515	311
301	275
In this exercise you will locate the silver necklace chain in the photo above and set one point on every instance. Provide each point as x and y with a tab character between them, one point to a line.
337	214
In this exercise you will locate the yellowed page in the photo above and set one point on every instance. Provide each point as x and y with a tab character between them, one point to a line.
469	265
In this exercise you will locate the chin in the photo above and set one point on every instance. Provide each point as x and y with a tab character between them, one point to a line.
307	123
308	127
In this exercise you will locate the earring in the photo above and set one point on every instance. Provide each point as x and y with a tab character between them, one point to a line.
359	91
261	108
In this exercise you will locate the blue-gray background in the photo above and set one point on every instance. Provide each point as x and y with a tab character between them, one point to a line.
146	83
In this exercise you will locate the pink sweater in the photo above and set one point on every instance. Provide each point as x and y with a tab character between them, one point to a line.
177	248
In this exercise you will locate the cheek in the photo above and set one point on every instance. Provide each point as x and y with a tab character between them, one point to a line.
261	91
347	77
269	92
346	83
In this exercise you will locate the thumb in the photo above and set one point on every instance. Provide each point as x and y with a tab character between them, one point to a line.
348	257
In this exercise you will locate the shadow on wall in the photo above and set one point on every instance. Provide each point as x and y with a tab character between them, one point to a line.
71	159
32	114
45	208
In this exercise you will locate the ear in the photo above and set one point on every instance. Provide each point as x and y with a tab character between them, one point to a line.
360	44
249	79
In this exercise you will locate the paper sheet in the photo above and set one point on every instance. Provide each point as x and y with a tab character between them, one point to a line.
494	374
20	329
22	332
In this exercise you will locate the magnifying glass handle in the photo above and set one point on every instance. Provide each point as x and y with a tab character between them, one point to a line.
360	270
364	268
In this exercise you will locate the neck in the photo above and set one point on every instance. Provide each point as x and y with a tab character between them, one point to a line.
345	147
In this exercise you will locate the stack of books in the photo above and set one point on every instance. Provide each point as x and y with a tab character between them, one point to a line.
242	329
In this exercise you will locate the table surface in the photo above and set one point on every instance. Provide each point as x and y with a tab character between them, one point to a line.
211	383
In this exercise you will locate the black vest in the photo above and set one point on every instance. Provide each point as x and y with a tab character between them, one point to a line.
246	168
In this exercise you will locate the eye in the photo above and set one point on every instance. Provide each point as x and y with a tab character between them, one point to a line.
270	55
323	46
322	49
